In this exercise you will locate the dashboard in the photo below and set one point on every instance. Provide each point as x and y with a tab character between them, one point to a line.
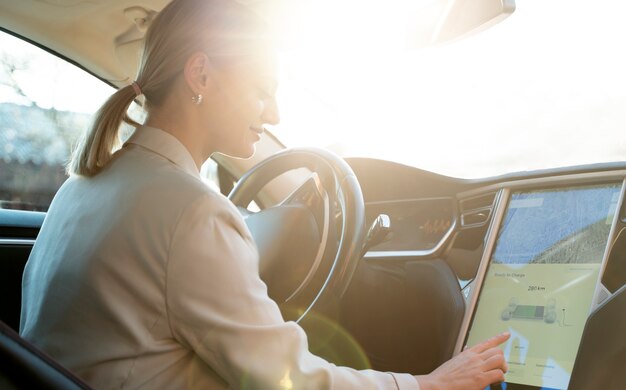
419	225
538	254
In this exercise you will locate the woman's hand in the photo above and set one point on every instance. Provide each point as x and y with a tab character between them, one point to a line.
474	368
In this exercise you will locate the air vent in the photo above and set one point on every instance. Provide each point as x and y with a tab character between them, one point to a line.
476	211
477	217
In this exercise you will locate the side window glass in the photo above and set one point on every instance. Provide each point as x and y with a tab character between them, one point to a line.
46	104
209	173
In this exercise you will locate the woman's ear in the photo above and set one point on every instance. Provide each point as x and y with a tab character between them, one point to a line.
197	74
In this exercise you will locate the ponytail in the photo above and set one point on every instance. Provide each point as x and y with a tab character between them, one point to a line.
223	29
102	140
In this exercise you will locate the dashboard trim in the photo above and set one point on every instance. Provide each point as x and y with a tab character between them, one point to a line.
404	254
601	290
590	178
415	253
500	204
17	241
377	202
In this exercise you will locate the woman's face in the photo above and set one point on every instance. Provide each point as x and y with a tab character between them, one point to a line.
242	102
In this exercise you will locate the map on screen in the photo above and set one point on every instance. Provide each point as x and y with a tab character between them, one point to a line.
541	278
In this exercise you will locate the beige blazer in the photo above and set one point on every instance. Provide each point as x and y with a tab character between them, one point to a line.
144	277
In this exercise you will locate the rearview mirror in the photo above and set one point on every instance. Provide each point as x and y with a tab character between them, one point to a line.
447	20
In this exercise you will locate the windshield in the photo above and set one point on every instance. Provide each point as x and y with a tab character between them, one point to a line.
544	88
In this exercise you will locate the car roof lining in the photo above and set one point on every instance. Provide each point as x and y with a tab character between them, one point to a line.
89	27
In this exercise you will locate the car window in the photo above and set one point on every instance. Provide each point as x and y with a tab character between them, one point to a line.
46	103
544	88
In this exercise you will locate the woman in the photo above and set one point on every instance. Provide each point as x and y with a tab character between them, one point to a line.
144	277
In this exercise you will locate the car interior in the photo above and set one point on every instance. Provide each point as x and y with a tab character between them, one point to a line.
385	265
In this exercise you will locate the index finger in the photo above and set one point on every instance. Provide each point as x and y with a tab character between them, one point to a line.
491	343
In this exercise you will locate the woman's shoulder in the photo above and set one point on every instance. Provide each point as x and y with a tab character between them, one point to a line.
158	177
180	189
197	200
153	186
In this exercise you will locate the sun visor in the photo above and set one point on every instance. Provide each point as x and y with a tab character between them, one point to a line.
128	55
129	44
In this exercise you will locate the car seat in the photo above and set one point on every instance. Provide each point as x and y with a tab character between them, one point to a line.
26	367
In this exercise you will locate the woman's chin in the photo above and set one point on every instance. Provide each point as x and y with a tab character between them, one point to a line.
243	153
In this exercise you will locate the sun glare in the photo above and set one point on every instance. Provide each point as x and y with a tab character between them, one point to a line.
520	95
57	86
543	88
286	382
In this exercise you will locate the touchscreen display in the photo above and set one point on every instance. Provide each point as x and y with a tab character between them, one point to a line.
541	279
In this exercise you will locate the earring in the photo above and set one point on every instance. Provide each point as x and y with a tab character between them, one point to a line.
197	100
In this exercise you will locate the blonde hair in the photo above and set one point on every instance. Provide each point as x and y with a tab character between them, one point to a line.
221	28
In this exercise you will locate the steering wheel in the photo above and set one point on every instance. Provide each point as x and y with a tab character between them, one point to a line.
310	243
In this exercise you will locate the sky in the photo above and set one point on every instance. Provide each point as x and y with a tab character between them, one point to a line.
543	88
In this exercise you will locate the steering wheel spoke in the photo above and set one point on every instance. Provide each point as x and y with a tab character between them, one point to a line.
306	257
